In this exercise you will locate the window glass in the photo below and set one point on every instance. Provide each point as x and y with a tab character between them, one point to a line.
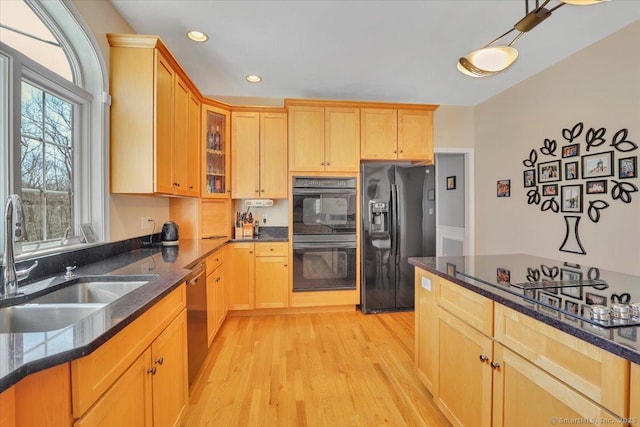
46	154
23	30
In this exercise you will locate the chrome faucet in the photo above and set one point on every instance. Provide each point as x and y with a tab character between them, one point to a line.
14	231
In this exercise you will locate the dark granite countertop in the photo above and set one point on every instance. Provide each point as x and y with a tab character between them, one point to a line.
26	353
501	278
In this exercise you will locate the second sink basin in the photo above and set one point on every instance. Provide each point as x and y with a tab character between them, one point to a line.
93	290
42	318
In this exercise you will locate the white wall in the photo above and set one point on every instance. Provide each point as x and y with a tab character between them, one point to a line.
599	86
125	211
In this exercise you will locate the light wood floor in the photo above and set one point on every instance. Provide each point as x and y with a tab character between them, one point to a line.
328	369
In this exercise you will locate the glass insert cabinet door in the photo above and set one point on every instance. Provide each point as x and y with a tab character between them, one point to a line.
216	152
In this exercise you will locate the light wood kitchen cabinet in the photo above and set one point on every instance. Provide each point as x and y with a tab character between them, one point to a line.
42	398
397	134
596	373
379	134
193	148
488	357
216	159
324	139
634	392
462	388
201	218
152	391
527	396
425	327
160	332
259	275
272	274
217	301
259	155
149	118
241	276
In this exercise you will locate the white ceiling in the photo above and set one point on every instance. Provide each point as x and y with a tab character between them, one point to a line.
396	51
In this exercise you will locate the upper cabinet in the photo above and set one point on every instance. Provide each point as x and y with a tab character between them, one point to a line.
324	138
259	154
153	146
397	134
216	148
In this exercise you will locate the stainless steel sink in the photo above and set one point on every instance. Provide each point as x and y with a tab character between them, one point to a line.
42	318
97	290
78	298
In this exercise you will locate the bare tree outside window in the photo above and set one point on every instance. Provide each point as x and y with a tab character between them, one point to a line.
46	155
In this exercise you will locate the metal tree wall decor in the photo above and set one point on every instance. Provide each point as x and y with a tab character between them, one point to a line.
547	167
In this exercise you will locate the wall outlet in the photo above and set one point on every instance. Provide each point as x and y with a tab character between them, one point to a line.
264	218
146	222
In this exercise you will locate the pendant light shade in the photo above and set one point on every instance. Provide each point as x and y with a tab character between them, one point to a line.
492	59
583	2
488	60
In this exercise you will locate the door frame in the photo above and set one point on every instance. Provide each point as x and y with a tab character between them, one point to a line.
468	234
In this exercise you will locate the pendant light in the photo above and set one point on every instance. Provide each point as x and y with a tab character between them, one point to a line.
494	58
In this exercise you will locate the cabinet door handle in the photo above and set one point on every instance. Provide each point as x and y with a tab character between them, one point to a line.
217	259
401	151
250	252
271	249
152	371
217	280
395	151
285	265
159	360
328	163
257	191
495	365
323	163
483	358
262	191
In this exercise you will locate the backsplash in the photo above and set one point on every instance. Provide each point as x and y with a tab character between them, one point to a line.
52	264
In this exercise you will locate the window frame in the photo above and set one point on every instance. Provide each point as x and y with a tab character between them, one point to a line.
90	97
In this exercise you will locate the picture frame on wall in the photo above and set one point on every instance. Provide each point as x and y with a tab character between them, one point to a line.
451	183
571	170
571	198
550	190
596	187
597	165
529	178
628	167
572	150
549	171
504	188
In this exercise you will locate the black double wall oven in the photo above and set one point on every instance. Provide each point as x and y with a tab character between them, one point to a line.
324	233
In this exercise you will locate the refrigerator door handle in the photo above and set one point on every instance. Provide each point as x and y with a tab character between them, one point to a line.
394	222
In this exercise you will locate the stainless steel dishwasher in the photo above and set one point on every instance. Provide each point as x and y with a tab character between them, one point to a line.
197	339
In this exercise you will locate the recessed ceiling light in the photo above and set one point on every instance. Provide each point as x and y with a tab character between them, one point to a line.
197	36
254	78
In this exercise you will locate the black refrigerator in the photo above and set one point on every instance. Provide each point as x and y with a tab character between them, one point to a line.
398	222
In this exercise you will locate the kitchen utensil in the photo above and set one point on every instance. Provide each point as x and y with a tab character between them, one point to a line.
169	235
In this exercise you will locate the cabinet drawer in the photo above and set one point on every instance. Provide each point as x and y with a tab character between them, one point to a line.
634	398
596	373
272	249
93	374
214	260
474	309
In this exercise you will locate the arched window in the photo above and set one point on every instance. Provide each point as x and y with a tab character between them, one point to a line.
53	103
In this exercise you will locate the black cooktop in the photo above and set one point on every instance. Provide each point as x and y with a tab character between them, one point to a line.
555	287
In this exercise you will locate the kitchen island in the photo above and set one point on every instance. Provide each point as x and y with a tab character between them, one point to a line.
496	333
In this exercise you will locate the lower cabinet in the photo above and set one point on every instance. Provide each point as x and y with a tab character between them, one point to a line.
139	377
425	327
490	365
41	399
241	276
217	294
463	381
527	396
634	394
258	275
271	284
